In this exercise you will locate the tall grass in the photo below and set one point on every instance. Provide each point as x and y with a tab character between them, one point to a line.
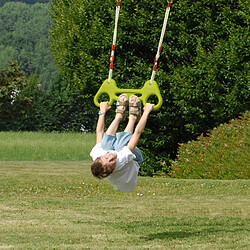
39	146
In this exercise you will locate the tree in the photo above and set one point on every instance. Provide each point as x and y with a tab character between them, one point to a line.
203	71
12	103
24	32
57	109
2	2
7	53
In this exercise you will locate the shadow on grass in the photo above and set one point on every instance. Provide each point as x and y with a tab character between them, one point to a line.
169	235
181	235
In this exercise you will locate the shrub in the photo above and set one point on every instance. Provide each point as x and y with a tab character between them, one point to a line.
58	109
221	154
13	104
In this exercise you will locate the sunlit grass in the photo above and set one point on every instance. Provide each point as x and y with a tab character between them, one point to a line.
36	146
60	205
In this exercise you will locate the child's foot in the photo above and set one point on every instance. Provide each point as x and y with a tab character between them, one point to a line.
135	107
121	106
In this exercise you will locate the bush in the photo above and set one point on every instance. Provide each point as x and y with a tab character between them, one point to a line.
13	104
58	109
221	154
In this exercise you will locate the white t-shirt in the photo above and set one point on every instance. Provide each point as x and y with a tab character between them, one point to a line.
124	177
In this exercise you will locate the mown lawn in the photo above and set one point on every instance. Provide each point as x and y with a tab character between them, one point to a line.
59	205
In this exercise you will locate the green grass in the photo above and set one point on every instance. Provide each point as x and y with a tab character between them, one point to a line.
38	146
59	205
50	200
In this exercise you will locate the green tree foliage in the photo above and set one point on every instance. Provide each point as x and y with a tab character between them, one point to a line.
57	109
6	55
24	33
203	73
12	103
2	2
81	39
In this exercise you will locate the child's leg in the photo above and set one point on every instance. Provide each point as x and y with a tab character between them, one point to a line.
124	137
131	124
108	142
133	116
113	127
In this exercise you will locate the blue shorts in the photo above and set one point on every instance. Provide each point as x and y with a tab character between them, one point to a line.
118	141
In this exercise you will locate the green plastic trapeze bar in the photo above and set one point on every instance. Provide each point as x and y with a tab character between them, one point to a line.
144	93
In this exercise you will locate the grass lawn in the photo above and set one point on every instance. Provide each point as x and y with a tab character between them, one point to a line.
59	205
39	146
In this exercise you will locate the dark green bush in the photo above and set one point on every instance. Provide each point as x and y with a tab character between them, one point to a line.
58	109
35	109
13	104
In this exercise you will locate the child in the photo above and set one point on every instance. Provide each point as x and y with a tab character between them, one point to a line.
115	154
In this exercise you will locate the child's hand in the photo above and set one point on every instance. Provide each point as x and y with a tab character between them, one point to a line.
148	107
104	107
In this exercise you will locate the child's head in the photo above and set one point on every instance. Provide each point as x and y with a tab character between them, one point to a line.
104	165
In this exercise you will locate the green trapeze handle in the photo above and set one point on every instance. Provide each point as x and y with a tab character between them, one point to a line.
113	91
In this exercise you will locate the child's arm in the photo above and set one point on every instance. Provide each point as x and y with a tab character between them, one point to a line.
101	121
140	127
